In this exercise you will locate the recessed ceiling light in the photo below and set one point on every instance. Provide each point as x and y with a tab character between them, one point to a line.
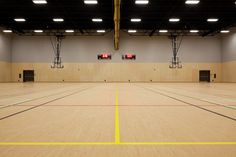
141	2
101	31
38	31
19	20
58	20
224	31
212	20
69	31
40	2
174	20
7	31
194	31
97	20
90	2
192	2
135	20
132	31
163	31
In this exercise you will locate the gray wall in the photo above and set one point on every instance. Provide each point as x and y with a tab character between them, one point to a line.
147	49
229	47
5	47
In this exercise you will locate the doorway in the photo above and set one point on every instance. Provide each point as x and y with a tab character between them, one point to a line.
205	76
28	76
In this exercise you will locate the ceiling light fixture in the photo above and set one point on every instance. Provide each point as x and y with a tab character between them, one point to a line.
90	2
224	31
19	19
38	31
192	2
58	20
132	31
135	20
194	31
141	2
212	20
97	20
101	31
40	2
163	31
174	20
7	31
69	31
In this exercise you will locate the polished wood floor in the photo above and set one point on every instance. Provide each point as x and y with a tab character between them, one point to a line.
115	119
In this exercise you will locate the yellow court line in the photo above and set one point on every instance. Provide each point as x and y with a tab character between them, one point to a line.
178	143
110	143
54	143
117	123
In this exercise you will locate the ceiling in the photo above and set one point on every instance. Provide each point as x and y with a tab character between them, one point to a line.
154	16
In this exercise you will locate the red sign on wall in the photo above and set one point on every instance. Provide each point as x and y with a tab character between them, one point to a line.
129	56
104	56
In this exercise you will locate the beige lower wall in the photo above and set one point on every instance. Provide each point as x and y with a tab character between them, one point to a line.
120	72
5	71
229	71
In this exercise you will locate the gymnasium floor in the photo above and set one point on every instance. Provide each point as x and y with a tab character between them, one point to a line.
115	119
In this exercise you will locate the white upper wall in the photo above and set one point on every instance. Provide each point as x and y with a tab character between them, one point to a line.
229	47
5	47
85	49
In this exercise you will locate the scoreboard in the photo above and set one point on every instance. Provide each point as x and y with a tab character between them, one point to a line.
107	56
104	56
129	57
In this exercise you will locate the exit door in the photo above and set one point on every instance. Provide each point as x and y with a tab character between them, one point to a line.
205	76
28	76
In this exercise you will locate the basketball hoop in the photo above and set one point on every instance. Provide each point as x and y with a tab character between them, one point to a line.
57	63
175	63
